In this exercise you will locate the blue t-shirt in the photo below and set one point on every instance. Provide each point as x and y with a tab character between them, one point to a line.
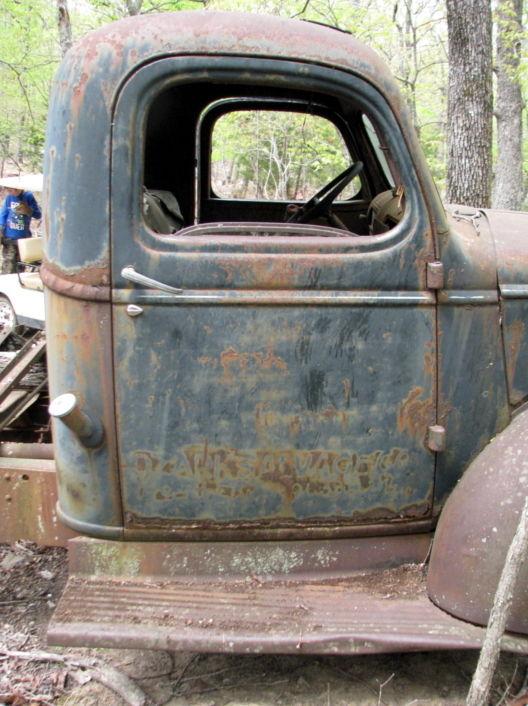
16	225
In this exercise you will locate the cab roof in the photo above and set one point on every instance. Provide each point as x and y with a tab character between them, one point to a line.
132	41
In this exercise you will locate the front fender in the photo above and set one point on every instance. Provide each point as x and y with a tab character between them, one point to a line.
476	528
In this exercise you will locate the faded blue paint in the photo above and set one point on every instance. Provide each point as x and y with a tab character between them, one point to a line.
254	291
248	413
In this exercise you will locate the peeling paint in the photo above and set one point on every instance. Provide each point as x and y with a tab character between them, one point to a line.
416	413
234	363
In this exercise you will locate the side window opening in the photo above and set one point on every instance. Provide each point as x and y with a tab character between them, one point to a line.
266	158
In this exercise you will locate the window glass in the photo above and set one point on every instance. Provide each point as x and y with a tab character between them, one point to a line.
272	155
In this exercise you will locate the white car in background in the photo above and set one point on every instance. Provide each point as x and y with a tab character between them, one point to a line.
21	295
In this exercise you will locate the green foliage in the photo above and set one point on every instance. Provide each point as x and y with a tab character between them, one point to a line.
409	34
276	155
512	37
28	57
110	10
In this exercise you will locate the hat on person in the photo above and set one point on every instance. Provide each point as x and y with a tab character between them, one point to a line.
25	182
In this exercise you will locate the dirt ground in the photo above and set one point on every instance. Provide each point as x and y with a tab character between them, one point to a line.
32	578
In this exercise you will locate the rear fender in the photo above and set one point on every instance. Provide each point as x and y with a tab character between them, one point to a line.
476	528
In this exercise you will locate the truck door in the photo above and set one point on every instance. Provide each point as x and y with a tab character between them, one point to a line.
272	378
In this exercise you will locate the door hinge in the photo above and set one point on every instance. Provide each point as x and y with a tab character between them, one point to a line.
435	275
436	438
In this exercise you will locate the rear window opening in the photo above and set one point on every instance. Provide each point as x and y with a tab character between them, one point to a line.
273	155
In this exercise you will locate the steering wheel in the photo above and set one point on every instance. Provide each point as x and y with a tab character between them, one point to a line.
320	203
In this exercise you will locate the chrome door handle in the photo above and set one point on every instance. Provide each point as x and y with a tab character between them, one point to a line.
130	274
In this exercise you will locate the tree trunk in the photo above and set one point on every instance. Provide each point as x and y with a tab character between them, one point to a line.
469	105
508	188
133	7
64	25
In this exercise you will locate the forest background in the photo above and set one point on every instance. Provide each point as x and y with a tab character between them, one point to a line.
412	36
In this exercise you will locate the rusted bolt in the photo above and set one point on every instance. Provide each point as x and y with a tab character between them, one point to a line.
66	408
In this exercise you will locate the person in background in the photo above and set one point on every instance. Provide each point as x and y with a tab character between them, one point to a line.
18	209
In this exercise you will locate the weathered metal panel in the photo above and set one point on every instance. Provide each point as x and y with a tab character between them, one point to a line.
76	174
33	450
476	528
27	502
78	268
80	361
473	402
510	235
282	559
514	323
274	415
467	252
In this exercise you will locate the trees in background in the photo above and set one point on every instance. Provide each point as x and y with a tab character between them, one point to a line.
64	25
417	55
110	10
509	188
28	57
470	102
33	37
410	34
272	155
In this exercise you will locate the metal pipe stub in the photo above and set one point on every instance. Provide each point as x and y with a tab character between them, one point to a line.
66	408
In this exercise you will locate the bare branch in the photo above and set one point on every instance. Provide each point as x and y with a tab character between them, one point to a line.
500	611
301	12
18	75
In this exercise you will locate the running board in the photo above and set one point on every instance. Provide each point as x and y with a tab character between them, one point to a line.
366	612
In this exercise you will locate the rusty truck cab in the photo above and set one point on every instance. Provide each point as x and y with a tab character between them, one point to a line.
249	408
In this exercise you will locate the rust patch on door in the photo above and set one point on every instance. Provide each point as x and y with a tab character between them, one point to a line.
415	414
234	363
236	473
